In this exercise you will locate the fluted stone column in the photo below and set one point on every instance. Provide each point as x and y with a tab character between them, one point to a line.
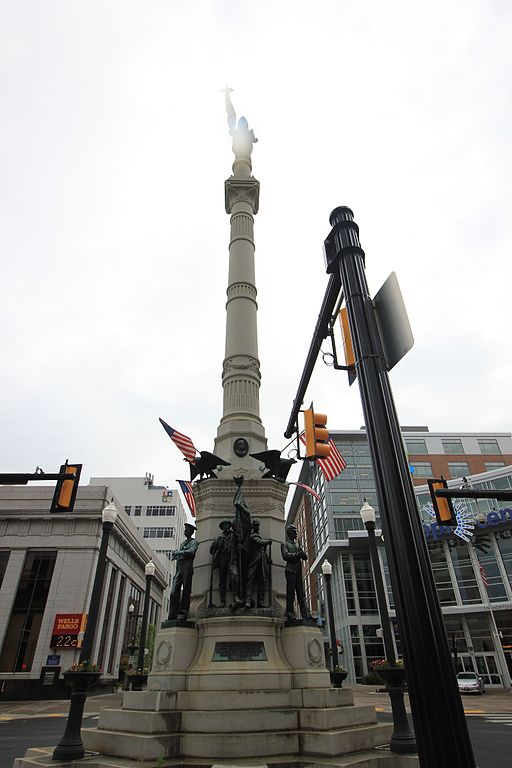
241	369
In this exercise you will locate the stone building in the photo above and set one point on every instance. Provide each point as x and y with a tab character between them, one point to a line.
47	567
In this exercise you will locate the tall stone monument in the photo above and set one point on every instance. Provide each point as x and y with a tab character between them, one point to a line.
238	678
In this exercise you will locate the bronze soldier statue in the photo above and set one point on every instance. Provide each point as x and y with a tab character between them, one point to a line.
225	555
182	581
257	569
293	555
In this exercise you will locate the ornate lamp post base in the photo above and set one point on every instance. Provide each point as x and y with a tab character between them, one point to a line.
71	746
403	740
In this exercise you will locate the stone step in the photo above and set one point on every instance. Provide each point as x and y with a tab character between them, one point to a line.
41	758
220	746
346	740
224	700
226	721
135	746
139	721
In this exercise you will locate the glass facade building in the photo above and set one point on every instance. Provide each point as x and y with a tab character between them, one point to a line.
473	578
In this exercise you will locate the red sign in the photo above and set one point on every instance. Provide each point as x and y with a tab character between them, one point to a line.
69	623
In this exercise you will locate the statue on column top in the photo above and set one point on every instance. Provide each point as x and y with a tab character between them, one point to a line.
243	136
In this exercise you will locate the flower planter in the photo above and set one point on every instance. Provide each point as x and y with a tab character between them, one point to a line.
394	677
337	678
136	681
81	681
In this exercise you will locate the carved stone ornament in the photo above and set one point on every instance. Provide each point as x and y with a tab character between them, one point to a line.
163	654
314	652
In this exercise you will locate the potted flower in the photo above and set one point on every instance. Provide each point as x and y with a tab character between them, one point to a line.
138	678
391	672
338	675
82	675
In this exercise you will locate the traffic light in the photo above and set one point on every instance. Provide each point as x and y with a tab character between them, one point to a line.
66	490
348	347
443	507
316	435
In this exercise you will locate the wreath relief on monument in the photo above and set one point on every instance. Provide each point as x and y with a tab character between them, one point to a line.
314	652
163	654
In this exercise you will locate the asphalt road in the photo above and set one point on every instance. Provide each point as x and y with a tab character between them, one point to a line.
16	736
491	737
490	734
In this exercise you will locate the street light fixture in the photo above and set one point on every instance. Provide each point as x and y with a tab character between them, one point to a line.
327	573
402	739
140	677
71	746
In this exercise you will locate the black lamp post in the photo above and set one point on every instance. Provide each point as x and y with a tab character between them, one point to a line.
435	699
71	746
132	626
327	574
140	677
402	739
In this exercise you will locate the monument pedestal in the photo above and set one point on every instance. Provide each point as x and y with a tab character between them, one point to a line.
237	687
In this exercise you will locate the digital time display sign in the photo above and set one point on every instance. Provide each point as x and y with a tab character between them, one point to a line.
68	630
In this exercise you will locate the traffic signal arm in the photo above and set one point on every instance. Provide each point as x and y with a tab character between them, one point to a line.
466	493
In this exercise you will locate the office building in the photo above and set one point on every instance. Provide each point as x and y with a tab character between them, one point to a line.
478	616
47	568
157	512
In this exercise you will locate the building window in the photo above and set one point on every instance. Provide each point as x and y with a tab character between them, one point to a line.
458	468
165	552
4	559
490	465
158	533
162	511
464	574
422	469
452	446
489	446
117	618
107	616
444	586
128	510
27	612
416	446
365	585
137	511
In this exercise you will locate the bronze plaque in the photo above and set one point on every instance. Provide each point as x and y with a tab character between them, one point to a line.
243	651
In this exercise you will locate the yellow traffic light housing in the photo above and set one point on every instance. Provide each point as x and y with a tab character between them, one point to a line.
316	434
443	507
66	490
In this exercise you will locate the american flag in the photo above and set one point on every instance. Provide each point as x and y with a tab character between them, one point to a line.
333	465
308	489
483	574
186	489
183	442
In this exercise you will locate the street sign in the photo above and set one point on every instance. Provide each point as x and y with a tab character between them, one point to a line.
392	321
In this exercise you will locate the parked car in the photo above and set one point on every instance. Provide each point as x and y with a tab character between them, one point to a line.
470	682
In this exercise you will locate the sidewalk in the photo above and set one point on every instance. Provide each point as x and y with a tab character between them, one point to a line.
490	703
493	701
12	710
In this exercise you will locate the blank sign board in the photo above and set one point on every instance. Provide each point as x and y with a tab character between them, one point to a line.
393	323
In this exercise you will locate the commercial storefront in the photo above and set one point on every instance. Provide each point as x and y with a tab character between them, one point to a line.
47	567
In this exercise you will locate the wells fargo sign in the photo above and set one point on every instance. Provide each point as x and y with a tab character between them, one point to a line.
68	630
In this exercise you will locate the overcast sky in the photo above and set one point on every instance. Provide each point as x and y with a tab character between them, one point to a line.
114	240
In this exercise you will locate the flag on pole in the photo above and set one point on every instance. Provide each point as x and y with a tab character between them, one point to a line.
333	465
183	442
186	489
308	489
483	574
